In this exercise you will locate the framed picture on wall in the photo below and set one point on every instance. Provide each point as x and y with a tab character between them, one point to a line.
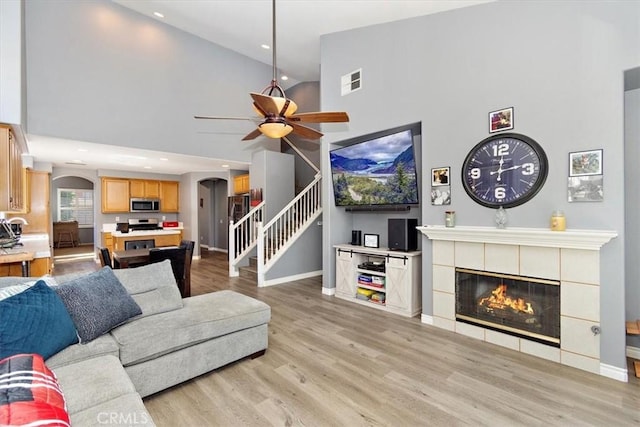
441	195
440	176
584	163
501	120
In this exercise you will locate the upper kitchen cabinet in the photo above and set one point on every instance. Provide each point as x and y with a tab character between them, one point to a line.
12	197
144	188
169	196
115	195
241	184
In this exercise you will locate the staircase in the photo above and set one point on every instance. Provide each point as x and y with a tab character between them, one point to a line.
273	239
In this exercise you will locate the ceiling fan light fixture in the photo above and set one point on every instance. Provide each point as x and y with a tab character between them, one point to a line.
275	128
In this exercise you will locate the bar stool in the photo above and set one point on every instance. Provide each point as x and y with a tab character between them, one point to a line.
65	238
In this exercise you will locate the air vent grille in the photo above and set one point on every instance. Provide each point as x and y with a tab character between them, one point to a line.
351	82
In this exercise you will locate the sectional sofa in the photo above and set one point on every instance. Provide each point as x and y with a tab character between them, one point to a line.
137	341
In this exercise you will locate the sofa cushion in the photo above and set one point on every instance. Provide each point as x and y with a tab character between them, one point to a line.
33	319
202	318
97	303
152	286
101	346
91	382
29	393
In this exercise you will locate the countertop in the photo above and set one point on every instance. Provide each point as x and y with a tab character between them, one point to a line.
146	232
37	243
111	228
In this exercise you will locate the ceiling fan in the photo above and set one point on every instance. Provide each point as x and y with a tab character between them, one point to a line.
276	113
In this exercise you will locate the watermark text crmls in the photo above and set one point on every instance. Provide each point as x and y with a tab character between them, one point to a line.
119	418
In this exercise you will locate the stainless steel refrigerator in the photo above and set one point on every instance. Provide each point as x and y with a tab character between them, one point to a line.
238	207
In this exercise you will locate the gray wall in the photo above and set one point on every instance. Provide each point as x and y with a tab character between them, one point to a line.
102	73
632	207
559	64
274	173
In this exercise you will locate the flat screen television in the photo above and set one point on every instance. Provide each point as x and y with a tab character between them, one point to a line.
376	170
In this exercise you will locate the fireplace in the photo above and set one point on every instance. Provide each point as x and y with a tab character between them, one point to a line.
521	306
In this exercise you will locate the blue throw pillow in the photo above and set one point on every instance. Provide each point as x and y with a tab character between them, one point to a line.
97	302
33	319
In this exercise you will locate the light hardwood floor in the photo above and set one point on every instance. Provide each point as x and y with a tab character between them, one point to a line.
335	363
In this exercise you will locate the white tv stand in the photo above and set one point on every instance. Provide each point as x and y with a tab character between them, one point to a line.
394	277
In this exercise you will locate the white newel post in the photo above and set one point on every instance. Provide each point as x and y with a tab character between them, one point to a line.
260	252
233	271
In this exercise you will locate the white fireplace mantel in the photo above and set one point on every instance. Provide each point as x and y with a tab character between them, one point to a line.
571	239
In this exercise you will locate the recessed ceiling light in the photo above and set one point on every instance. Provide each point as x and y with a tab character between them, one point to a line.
285	78
147	167
164	159
225	166
77	161
265	46
158	14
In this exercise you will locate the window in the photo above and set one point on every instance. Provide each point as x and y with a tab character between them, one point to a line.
75	204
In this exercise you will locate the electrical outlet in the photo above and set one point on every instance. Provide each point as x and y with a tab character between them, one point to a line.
164	218
117	219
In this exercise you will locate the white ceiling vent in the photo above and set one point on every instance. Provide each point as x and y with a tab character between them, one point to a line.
351	82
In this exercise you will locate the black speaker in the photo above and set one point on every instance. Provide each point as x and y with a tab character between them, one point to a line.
356	237
403	235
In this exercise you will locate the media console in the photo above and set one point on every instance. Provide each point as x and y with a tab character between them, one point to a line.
378	278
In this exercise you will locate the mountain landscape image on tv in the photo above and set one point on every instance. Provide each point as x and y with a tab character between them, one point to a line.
380	171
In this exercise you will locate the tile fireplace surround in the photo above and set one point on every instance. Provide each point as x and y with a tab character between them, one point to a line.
571	256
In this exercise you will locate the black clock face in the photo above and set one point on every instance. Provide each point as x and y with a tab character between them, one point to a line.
504	170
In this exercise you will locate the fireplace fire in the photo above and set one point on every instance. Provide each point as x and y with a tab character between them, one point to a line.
521	306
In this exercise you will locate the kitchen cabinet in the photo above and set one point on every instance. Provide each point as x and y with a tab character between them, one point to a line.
12	195
169	196
144	188
115	195
241	184
39	213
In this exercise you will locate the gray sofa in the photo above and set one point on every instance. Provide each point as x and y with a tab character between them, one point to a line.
172	341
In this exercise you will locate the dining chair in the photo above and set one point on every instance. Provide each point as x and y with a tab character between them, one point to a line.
105	257
189	245
177	256
139	244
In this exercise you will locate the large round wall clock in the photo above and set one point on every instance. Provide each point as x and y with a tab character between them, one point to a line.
504	170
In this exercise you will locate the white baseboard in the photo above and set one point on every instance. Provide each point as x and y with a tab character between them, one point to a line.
426	319
328	291
286	279
633	352
614	373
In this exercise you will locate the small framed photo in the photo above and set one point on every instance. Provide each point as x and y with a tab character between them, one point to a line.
583	163
440	176
441	195
585	189
371	240
501	120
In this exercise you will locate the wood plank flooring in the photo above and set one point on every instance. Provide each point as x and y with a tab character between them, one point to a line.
335	363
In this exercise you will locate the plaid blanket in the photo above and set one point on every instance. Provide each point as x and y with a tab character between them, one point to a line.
29	393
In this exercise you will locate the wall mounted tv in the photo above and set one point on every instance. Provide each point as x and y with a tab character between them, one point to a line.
376	171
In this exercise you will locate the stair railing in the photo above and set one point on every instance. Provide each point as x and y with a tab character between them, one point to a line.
279	234
243	237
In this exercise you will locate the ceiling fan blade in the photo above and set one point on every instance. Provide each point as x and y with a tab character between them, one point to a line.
305	132
223	118
320	117
252	135
265	103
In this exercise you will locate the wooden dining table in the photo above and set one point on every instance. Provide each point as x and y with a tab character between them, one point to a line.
123	258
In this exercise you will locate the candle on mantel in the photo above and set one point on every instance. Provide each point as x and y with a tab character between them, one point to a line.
558	221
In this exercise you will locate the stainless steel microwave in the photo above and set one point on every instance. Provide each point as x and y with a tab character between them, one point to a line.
144	205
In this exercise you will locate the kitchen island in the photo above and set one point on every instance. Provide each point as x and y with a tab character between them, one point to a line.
115	240
35	251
